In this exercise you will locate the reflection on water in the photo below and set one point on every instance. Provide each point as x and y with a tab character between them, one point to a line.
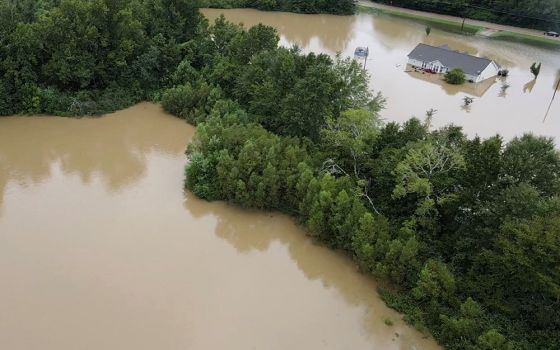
114	152
528	88
477	90
329	32
250	232
101	249
391	39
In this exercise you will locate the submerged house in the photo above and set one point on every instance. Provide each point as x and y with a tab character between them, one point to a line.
443	59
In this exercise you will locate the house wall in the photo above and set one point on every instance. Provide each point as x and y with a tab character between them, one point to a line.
474	78
490	72
428	65
414	63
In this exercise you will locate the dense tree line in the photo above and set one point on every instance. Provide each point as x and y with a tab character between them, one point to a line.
538	14
466	230
337	7
85	57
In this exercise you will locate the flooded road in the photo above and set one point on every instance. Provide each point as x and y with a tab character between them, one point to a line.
101	249
510	111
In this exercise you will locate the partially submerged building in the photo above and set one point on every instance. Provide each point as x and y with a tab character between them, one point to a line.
443	59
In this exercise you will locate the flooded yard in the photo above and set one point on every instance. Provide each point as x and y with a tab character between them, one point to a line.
510	111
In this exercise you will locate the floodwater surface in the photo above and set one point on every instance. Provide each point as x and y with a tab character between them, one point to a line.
100	248
510	106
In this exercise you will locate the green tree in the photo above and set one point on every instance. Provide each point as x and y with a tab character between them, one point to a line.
492	340
455	76
436	284
533	160
350	138
536	69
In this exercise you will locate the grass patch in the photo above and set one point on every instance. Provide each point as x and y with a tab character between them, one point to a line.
541	41
388	321
446	25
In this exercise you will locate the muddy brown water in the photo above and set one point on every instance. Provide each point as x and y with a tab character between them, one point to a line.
101	249
511	112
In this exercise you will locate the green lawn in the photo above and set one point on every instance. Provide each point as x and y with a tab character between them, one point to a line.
442	24
542	41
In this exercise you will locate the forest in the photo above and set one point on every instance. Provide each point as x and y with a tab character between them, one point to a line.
337	7
76	57
466	231
537	14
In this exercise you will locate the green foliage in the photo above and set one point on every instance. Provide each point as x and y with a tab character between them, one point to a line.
536	69
191	102
455	76
75	57
492	340
537	14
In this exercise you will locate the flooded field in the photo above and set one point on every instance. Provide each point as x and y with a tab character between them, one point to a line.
100	249
509	111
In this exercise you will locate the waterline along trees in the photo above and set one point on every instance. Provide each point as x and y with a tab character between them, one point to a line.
337	7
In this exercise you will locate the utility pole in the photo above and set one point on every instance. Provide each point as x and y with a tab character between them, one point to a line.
552	100
367	55
464	17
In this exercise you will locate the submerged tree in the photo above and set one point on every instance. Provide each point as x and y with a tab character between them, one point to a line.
536	69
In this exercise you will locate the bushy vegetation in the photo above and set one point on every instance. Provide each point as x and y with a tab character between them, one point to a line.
466	230
538	14
76	57
455	76
337	7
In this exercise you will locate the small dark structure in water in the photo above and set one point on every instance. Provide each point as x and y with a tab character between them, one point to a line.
361	52
503	73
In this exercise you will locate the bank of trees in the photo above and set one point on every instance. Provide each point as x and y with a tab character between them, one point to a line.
538	14
78	57
337	7
466	230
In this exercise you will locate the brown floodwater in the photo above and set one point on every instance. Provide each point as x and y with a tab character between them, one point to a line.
100	248
511	111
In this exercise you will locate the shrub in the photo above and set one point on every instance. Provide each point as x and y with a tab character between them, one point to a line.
189	102
455	76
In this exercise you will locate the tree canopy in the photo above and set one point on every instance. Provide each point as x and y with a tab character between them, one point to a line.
86	57
538	14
